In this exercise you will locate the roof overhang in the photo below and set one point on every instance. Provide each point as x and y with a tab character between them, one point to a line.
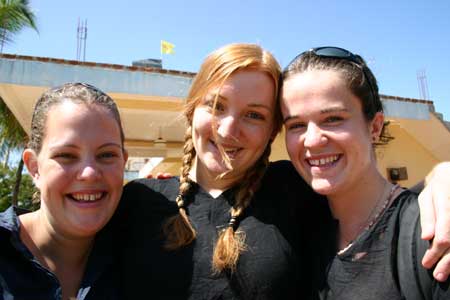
150	100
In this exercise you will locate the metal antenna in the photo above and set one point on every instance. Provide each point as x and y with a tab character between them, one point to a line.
423	85
81	39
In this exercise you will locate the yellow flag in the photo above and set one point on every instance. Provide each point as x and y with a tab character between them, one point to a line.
167	48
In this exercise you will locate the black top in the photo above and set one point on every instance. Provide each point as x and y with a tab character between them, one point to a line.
370	268
23	277
268	269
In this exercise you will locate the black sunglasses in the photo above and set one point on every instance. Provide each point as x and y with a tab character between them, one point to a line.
340	53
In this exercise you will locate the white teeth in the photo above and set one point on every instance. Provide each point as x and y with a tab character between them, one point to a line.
323	161
87	197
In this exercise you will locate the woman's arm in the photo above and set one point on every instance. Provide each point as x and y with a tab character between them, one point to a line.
434	202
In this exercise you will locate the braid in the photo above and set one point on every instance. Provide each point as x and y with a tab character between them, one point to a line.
231	242
178	229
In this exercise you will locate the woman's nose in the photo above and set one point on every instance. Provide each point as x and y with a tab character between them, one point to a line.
314	136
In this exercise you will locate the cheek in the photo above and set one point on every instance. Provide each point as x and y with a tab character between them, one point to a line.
52	176
114	174
201	123
292	144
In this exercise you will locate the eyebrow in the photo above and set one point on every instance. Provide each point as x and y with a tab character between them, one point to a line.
223	98
322	111
76	147
257	105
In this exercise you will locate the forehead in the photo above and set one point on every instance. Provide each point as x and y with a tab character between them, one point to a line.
251	85
316	89
69	109
68	120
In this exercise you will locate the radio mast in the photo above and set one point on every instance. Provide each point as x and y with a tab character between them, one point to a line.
81	40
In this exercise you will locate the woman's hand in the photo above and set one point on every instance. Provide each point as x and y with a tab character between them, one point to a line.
159	175
435	220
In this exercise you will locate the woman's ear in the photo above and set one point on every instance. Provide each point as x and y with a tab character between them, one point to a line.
30	160
125	156
376	126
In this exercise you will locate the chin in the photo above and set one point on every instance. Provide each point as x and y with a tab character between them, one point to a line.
89	228
323	186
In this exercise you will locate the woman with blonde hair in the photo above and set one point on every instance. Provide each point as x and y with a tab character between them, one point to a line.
202	234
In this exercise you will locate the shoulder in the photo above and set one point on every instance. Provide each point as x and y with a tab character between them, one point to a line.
143	185
414	279
283	167
150	191
9	221
282	187
281	176
147	199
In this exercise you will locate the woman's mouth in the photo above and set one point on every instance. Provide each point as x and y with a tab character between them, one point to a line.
231	151
86	197
326	161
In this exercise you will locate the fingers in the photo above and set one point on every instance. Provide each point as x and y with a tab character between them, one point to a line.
159	175
440	246
165	175
427	213
441	241
439	252
442	269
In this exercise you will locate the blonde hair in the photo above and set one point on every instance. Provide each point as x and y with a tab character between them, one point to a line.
215	70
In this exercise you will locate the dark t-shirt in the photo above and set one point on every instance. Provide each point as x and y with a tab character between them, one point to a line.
267	269
369	269
23	277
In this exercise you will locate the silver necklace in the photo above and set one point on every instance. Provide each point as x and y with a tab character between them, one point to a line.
373	217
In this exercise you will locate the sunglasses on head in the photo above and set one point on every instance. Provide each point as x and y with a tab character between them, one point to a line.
339	53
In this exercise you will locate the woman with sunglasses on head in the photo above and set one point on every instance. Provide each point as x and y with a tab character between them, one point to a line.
76	159
371	247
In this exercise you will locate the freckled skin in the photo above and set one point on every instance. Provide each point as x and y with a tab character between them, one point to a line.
244	122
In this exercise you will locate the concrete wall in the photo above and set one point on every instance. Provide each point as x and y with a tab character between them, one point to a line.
405	151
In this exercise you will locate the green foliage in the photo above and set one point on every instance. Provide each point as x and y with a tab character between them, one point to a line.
27	189
11	132
14	16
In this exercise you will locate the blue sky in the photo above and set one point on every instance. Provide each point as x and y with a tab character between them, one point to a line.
397	38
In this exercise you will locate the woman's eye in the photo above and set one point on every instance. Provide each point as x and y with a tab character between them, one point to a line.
108	155
333	119
294	126
255	115
219	106
64	156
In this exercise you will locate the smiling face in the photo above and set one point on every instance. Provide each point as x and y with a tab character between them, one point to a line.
79	170
243	120
327	137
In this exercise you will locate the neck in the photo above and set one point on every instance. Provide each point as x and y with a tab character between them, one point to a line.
358	206
213	183
65	256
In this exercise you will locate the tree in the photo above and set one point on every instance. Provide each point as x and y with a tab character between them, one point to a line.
14	16
12	137
25	196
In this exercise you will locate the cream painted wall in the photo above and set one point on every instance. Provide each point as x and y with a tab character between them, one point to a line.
278	149
405	151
